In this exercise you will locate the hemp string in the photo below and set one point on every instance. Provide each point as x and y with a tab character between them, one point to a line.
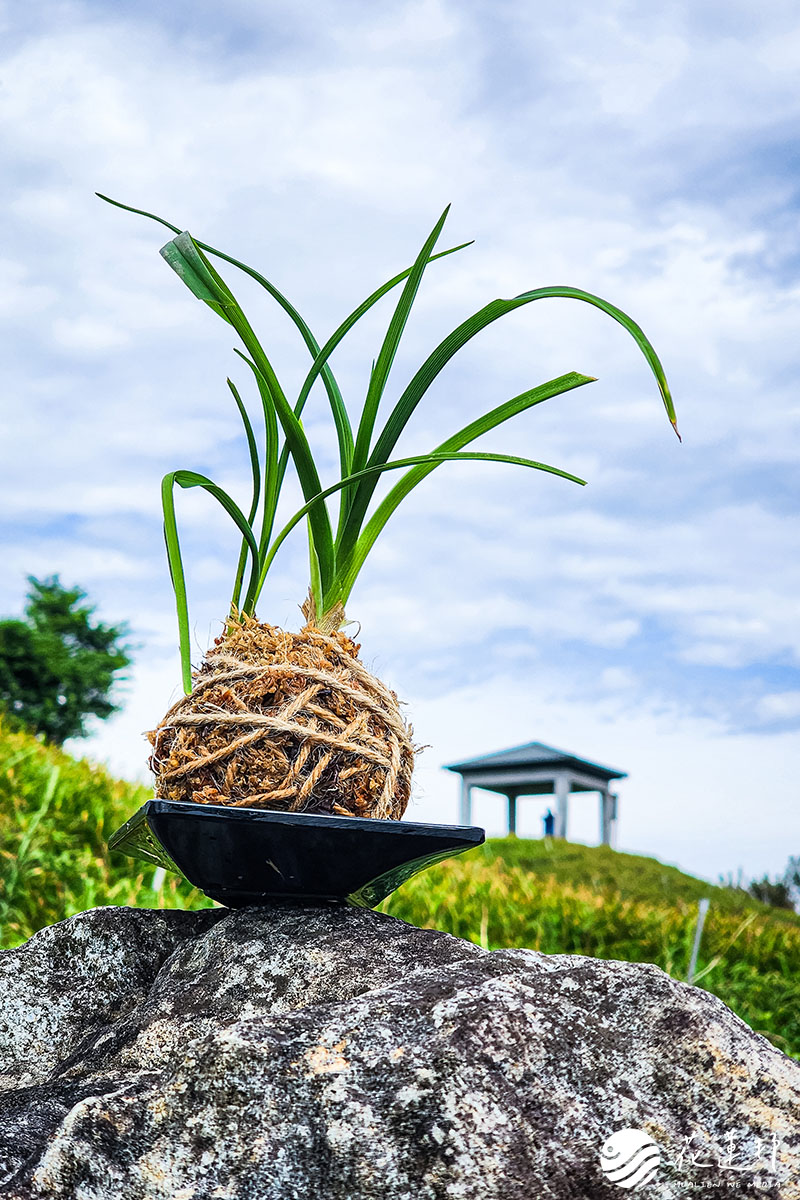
350	741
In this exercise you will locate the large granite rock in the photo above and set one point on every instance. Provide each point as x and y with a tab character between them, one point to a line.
337	1054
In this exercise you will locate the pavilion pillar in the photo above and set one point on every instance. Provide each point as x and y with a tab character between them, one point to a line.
606	810
612	823
562	803
512	814
466	802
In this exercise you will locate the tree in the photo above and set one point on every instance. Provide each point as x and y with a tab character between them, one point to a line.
779	893
57	665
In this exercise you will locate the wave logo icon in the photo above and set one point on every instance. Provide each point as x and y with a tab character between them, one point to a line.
630	1158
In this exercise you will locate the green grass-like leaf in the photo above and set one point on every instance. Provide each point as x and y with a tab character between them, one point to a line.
255	468
335	563
426	463
354	561
383	364
438	359
320	368
190	479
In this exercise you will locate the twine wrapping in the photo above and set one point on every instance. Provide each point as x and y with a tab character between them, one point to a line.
286	721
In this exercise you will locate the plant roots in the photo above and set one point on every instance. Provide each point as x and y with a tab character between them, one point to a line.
287	721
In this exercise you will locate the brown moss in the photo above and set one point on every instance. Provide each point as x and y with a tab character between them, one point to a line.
289	721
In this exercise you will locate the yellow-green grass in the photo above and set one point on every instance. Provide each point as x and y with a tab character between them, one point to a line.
563	898
56	813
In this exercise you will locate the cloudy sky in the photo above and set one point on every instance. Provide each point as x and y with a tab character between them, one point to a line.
645	153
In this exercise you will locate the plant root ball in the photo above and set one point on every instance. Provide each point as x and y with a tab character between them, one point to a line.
287	721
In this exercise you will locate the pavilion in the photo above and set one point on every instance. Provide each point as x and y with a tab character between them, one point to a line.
538	770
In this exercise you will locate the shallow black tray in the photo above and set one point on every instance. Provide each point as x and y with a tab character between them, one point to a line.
242	856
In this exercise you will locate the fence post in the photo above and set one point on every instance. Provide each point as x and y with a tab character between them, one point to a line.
702	909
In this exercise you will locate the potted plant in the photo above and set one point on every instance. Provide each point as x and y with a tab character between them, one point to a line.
275	722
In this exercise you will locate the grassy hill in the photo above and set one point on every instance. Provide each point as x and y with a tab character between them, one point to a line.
563	898
56	813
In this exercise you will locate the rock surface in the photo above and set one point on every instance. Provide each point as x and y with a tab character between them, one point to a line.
337	1054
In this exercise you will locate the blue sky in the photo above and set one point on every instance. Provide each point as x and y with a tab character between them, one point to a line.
648	620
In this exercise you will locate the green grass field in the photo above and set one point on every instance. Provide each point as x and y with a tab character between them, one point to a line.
559	897
56	813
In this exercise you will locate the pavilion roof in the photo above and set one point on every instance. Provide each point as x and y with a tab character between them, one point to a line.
536	756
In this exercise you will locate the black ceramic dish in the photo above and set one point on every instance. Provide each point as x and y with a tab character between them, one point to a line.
242	856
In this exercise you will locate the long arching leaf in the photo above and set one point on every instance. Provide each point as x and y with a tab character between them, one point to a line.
388	350
349	568
255	470
438	359
192	265
320	367
426	463
271	478
321	538
190	479
334	395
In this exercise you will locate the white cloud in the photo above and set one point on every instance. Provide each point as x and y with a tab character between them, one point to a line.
87	336
20	297
780	706
643	68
